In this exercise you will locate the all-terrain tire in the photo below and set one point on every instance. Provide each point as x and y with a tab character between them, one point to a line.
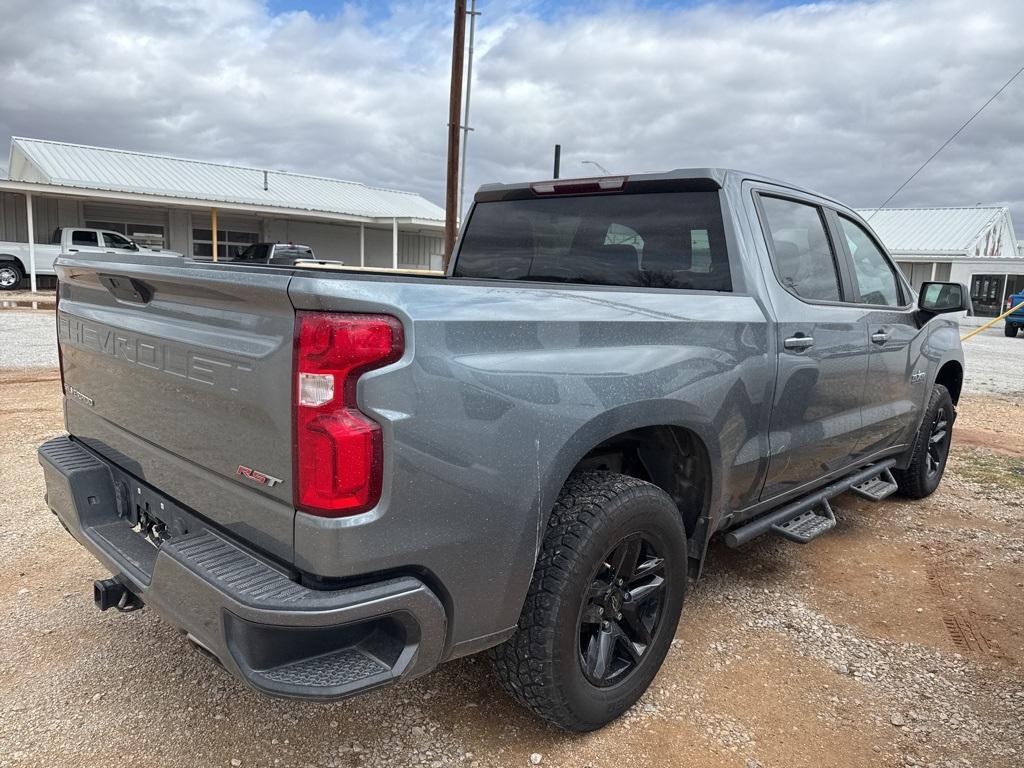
11	275
541	665
1010	330
924	473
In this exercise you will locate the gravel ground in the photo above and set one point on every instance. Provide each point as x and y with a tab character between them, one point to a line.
896	640
27	339
992	362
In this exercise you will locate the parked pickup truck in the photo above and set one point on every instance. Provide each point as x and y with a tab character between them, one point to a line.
14	257
1014	320
332	481
280	254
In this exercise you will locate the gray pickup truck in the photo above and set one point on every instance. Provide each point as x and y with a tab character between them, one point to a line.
333	481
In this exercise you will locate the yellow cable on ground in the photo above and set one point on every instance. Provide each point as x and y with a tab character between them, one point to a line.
991	322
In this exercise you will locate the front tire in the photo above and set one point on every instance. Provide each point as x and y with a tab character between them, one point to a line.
11	276
603	605
931	447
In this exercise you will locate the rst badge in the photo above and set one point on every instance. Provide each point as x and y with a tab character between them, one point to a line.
256	476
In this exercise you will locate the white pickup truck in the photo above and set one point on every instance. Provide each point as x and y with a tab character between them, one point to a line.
14	257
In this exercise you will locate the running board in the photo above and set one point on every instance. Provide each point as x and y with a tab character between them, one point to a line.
878	487
784	514
807	525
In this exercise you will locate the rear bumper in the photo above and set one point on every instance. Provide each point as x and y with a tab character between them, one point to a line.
274	633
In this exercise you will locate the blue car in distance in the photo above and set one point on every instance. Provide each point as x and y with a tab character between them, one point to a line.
1014	320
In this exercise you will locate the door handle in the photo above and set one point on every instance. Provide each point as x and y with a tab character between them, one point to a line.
798	342
879	337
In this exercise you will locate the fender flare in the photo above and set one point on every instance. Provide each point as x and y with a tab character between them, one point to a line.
624	418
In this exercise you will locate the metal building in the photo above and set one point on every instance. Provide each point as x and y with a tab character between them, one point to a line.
171	203
975	246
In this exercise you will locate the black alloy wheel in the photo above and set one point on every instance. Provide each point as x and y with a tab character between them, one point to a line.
621	611
938	442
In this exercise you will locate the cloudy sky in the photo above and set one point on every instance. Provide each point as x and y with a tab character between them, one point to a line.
847	97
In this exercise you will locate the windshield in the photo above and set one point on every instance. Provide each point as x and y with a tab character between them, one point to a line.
655	240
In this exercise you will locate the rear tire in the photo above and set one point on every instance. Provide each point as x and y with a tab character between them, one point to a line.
931	447
589	643
1010	330
11	275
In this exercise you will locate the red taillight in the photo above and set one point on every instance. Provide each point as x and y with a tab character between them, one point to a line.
338	449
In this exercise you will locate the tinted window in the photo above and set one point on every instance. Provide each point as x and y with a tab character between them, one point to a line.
658	240
876	281
81	237
801	252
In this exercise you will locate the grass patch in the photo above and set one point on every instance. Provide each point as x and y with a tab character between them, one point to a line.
990	470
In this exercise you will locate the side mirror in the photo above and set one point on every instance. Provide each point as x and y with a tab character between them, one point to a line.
133	246
939	298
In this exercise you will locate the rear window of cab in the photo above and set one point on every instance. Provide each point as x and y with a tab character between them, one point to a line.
649	240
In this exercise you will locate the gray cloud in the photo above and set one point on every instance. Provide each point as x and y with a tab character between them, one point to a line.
848	98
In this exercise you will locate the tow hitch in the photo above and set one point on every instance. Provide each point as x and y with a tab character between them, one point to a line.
110	593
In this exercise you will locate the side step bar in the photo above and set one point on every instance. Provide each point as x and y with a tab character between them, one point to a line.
765	523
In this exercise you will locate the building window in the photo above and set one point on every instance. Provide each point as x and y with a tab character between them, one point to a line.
229	242
987	294
146	235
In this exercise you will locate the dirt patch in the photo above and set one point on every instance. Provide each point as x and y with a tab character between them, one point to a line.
1011	445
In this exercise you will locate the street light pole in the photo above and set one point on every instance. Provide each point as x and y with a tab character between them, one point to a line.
451	197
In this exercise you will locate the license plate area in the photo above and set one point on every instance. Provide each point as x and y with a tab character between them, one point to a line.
149	514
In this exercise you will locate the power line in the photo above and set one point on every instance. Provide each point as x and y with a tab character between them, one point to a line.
947	142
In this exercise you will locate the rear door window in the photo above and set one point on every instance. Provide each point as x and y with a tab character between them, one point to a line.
802	254
647	239
84	237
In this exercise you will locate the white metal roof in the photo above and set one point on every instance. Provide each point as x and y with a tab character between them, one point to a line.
97	168
979	231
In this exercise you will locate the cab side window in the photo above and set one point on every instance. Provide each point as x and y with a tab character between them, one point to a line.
802	254
84	237
876	280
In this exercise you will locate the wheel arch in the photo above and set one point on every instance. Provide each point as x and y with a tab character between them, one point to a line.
951	376
667	443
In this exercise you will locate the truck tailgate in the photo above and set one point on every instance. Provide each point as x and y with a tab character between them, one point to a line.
182	375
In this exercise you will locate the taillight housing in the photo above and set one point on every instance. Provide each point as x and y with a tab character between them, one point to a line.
339	450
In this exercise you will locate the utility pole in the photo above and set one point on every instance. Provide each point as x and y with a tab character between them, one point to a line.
451	197
558	160
473	13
